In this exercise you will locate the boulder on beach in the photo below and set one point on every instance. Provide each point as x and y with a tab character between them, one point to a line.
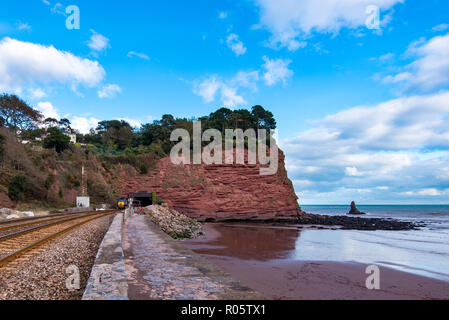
354	210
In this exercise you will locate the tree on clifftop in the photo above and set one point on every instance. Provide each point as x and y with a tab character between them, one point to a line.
57	140
264	118
16	114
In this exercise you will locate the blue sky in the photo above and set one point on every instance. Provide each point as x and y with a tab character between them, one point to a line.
362	112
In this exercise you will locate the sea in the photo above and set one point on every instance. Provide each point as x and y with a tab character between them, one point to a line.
424	252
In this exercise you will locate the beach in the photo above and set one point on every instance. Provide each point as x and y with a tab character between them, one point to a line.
286	263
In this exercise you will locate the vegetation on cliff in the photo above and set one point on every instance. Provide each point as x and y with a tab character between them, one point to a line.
39	164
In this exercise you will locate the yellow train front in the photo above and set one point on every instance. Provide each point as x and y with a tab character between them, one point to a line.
122	203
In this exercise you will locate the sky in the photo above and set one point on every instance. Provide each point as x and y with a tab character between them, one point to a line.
362	107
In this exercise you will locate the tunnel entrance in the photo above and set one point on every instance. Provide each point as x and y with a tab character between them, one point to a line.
141	199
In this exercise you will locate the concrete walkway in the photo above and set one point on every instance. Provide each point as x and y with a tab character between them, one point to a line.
158	267
108	278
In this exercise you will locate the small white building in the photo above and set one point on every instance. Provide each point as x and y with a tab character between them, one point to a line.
82	202
71	135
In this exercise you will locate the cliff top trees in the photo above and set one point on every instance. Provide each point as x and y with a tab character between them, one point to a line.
16	114
57	140
116	133
264	118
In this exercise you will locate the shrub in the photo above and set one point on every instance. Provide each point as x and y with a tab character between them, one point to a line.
49	181
17	188
142	168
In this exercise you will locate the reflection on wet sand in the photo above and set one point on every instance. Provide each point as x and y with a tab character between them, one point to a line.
247	242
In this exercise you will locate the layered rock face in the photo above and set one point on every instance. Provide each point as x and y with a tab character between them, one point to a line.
220	192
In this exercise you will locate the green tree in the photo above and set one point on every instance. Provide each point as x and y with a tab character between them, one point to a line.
243	119
56	140
116	133
51	122
264	119
65	124
220	119
17	115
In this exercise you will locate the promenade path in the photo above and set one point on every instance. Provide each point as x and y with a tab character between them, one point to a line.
147	264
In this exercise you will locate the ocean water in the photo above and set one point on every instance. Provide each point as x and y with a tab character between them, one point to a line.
424	252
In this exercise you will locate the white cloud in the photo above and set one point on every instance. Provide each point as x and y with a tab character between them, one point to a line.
48	110
98	42
352	172
58	9
430	70
246	79
109	91
46	2
441	27
223	15
400	145
209	87
37	93
384	58
24	26
230	97
290	21
429	192
235	44
140	55
28	64
83	125
276	70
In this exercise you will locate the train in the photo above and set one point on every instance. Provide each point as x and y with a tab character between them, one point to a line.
122	203
137	199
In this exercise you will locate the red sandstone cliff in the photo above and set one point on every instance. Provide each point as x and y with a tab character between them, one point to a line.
219	192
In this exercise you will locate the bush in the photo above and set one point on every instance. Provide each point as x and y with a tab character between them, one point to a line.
142	168
17	188
49	181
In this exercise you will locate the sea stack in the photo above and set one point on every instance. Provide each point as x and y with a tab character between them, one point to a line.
354	210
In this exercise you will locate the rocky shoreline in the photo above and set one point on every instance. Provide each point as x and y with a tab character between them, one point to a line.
173	223
357	223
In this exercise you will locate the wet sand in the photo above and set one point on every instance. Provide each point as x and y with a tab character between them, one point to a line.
263	265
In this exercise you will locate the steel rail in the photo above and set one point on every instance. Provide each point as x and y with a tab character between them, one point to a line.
58	221
26	219
14	255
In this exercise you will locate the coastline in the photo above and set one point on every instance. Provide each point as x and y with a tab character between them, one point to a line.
284	279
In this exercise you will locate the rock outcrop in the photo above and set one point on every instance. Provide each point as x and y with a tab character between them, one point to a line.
354	210
220	192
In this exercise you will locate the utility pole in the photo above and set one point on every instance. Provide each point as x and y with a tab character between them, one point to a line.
83	201
83	182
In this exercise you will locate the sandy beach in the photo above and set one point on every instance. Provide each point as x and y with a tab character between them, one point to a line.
263	270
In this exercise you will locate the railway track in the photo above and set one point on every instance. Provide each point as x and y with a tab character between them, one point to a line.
19	244
10	226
